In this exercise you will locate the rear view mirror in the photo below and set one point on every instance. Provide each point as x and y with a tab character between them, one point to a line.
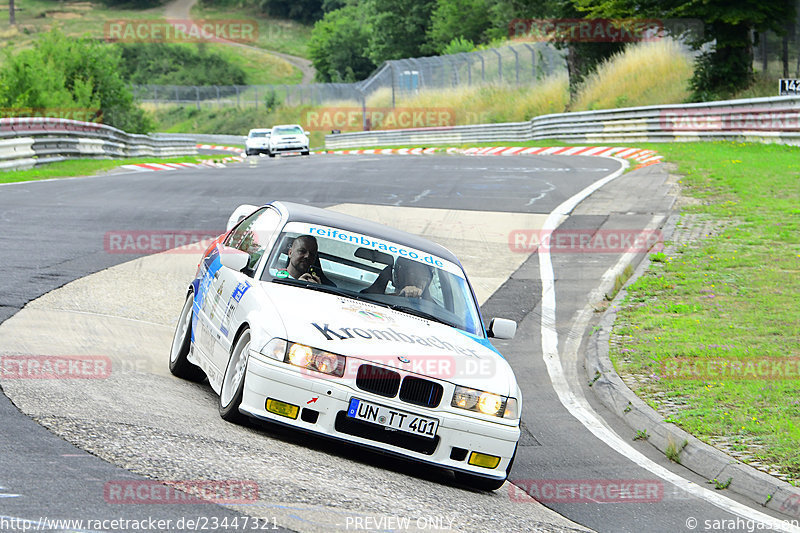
233	258
502	328
375	256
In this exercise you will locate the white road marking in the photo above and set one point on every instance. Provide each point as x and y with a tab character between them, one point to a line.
577	405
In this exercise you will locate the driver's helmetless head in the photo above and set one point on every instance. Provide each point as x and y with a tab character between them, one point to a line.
302	254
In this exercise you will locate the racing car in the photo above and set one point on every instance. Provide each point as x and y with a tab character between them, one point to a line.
353	330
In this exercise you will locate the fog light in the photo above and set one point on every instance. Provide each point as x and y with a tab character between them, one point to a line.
483	460
282	408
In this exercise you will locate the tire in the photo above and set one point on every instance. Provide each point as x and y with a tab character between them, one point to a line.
482	483
270	154
305	152
179	365
232	389
247	153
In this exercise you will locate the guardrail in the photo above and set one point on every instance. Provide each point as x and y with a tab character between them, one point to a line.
204	138
758	119
27	142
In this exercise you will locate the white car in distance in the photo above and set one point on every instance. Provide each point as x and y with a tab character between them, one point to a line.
257	141
288	138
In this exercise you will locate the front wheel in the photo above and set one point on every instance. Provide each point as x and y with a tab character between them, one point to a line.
179	364
304	152
232	390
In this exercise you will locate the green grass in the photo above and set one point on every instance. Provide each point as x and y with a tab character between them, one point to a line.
229	120
74	18
261	68
285	36
88	167
79	18
733	296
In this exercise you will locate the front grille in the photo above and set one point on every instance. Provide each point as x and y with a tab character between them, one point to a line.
401	439
378	380
421	392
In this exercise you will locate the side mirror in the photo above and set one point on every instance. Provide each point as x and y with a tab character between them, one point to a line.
238	214
306	133
233	258
502	328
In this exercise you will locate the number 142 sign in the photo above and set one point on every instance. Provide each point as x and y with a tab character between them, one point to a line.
787	87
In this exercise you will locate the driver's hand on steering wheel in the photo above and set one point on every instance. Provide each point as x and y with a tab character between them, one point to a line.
410	291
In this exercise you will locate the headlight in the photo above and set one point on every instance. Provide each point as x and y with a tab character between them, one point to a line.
314	359
485	402
275	349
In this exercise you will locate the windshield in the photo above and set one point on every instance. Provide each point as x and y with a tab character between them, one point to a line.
382	272
289	130
259	134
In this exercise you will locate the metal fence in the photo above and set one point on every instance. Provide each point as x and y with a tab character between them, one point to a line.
30	141
775	119
521	64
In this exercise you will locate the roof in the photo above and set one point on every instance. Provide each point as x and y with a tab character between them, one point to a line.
316	215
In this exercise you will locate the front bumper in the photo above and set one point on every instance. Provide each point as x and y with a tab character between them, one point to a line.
257	149
294	147
457	435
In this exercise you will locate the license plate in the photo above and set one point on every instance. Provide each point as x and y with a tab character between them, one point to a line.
391	418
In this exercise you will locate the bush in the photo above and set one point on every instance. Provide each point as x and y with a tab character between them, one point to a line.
62	73
176	64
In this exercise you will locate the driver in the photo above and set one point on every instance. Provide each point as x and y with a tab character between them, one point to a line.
302	258
410	278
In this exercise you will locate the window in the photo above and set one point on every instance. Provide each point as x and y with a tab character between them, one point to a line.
253	234
366	268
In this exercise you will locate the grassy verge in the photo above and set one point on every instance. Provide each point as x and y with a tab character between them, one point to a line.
87	167
285	36
730	298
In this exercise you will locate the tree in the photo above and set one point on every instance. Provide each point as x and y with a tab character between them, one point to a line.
305	11
338	46
61	75
728	66
467	20
399	28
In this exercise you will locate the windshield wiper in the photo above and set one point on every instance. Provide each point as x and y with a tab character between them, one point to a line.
421	314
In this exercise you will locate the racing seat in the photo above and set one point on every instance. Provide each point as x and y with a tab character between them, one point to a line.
379	285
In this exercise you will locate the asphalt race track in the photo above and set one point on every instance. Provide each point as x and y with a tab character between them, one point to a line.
139	423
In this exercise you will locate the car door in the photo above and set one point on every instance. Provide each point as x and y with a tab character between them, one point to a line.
253	236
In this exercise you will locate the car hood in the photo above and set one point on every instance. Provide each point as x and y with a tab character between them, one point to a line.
359	329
